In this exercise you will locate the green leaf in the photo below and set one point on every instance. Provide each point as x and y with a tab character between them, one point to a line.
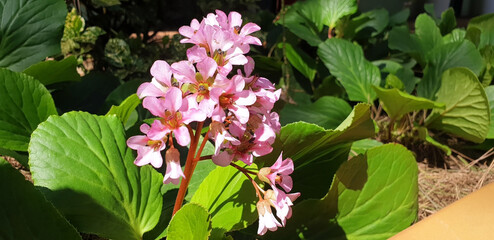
457	35
123	91
86	170
24	103
346	61
373	196
392	81
117	53
369	23
482	27
467	112
423	134
306	19
316	152
30	31
397	103
327	112
488	74
49	72
300	60
25	213
87	95
400	17
450	55
427	32
124	110
448	21
403	73
191	222
333	10
400	39
391	178
489	91
202	170
230	198
361	146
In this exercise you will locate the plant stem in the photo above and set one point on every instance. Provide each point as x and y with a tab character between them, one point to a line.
246	173
207	157
204	140
244	170
189	169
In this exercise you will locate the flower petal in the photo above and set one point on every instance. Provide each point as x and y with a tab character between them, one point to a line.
161	71
182	136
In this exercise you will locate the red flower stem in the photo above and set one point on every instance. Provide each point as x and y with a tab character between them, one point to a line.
191	132
245	172
189	168
204	141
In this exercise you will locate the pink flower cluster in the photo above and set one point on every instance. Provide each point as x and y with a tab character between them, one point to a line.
278	174
235	105
204	86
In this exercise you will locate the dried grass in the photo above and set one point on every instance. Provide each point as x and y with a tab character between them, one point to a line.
439	187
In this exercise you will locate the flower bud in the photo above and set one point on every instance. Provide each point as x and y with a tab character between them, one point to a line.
263	173
172	155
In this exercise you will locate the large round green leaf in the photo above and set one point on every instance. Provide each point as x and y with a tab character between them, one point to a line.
191	222
230	198
24	103
467	112
25	213
346	61
30	31
83	164
373	196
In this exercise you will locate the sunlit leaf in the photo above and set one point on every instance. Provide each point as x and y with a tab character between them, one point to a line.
230	198
467	112
192	222
86	170
373	196
397	103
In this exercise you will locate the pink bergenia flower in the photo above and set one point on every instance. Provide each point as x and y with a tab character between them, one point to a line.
234	98
160	83
282	203
148	150
233	23
267	221
173	168
280	172
200	83
174	113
